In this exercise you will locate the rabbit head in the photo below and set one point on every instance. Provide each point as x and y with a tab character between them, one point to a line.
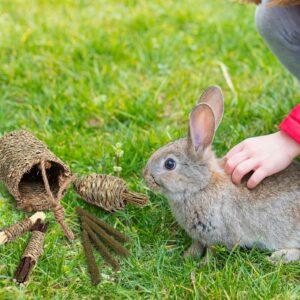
187	164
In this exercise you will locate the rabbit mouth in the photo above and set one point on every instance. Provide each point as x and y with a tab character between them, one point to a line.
152	183
153	178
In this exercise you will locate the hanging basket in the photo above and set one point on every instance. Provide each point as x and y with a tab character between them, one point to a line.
33	174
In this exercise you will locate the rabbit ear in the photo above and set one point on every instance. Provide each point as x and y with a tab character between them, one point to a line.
214	98
201	127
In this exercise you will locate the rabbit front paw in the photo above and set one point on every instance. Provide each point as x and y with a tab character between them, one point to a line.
285	256
196	250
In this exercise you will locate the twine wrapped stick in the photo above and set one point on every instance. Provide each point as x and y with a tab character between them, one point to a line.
109	192
32	252
34	175
99	232
10	233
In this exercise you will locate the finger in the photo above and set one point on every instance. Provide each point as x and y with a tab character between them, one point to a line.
242	169
235	160
256	178
237	148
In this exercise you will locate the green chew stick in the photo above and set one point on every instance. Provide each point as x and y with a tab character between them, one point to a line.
118	235
90	258
116	246
101	248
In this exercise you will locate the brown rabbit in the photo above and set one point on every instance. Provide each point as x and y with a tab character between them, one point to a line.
210	207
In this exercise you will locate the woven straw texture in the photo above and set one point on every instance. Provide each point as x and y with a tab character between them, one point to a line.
102	190
109	192
34	247
17	229
21	155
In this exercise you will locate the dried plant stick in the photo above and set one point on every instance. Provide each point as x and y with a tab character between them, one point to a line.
90	258
116	246
118	235
12	232
100	246
32	252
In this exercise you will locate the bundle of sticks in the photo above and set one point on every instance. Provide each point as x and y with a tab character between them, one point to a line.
100	234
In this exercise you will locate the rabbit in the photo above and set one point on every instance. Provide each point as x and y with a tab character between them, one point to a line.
209	207
277	2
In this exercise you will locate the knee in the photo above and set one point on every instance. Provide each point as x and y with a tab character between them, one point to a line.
266	22
277	26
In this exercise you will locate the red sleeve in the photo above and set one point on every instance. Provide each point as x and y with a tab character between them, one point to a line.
291	124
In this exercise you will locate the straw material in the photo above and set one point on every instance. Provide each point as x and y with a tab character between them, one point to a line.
35	246
109	192
33	174
33	251
20	157
17	229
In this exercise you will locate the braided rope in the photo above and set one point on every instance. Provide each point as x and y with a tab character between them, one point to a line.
57	208
18	229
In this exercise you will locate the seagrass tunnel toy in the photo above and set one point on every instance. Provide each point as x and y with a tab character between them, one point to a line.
109	192
34	175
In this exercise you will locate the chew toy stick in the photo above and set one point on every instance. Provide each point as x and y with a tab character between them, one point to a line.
100	246
12	232
90	258
109	229
33	251
116	246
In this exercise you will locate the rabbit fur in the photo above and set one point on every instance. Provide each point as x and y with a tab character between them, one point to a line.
209	207
277	2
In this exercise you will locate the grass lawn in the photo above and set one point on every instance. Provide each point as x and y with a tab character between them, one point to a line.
86	75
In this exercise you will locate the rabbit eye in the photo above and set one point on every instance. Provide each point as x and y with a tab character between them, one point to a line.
170	164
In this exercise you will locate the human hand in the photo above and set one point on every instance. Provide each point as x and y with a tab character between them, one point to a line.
264	155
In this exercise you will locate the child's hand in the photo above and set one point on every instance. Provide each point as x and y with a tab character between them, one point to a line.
265	155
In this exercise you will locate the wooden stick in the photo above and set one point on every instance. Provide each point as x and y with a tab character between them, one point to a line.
118	235
116	246
100	246
90	258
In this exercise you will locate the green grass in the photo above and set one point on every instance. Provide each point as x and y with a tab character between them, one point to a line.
86	75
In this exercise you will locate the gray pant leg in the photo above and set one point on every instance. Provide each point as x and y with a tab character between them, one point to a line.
280	28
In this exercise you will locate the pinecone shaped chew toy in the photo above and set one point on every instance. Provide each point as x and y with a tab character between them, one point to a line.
109	192
34	175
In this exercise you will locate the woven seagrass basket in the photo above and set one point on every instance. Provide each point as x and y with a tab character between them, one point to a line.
33	174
